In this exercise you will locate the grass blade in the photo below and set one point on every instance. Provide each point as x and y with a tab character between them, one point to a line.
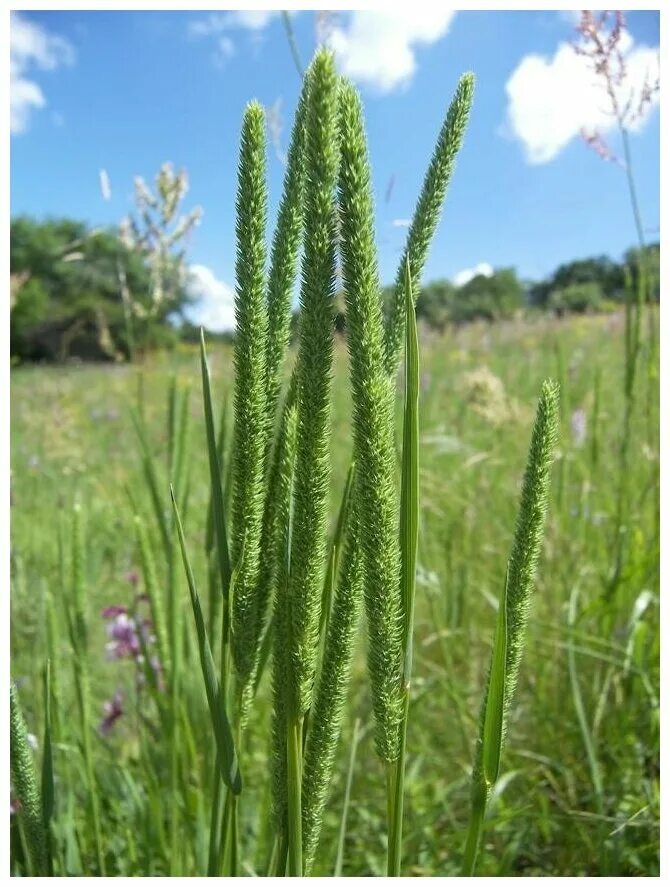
220	534
409	542
492	733
222	732
347	795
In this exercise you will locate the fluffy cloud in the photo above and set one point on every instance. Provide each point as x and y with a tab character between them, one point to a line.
31	47
217	22
217	25
466	275
551	100
214	301
378	48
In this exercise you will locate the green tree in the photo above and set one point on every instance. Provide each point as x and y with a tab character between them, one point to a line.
576	297
488	298
66	298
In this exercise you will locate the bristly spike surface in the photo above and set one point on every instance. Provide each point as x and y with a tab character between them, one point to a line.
373	418
331	693
529	530
284	260
312	473
250	382
427	214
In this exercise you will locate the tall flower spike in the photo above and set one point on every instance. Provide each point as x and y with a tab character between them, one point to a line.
312	474
513	616
24	779
250	368
373	419
326	714
284	259
427	214
529	530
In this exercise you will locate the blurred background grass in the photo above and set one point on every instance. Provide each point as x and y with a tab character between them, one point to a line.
72	437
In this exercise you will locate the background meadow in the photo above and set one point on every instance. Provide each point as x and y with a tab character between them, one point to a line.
72	437
532	276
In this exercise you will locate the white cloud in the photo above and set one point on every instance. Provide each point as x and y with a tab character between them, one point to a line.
401	223
214	305
217	22
550	100
467	274
31	47
378	48
105	186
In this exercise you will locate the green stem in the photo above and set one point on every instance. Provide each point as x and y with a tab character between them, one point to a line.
215	824
395	786
474	833
294	777
88	764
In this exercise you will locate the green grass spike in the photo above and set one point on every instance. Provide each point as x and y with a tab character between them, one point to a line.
250	382
312	474
513	614
24	781
284	260
427	214
325	718
373	419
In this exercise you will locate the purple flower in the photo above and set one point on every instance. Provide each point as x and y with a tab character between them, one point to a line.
112	711
124	638
578	425
114	611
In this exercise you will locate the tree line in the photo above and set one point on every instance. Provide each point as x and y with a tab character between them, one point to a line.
77	292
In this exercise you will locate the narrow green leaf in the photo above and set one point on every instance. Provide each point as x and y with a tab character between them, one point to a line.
47	755
409	541
492	730
222	733
152	479
220	442
215	476
409	499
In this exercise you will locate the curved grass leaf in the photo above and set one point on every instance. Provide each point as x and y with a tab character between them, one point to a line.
494	707
223	735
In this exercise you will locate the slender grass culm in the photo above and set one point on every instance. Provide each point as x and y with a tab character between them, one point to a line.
513	614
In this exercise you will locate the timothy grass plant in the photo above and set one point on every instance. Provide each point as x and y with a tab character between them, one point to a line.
286	583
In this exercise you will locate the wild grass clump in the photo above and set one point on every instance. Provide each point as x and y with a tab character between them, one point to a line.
283	594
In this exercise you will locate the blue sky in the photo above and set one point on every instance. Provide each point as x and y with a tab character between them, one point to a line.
126	91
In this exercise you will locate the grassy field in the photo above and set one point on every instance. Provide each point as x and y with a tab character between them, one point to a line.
579	786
